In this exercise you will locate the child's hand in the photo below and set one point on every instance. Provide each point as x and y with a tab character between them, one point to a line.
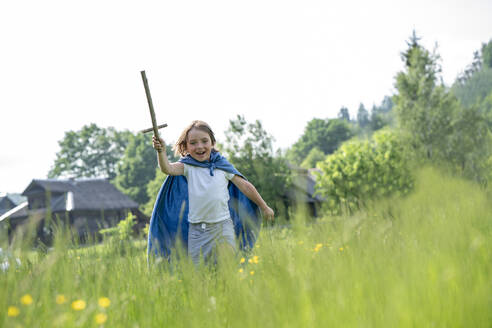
268	213
158	144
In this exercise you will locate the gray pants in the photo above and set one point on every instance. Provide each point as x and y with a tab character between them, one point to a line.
204	237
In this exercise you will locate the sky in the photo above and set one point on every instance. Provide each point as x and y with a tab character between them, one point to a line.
65	64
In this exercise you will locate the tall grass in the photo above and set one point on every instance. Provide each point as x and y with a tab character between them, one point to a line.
421	261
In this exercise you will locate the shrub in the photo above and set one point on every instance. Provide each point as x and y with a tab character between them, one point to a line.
363	170
123	231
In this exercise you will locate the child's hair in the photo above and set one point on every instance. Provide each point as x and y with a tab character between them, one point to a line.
180	146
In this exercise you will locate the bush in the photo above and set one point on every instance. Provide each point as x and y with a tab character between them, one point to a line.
363	170
123	231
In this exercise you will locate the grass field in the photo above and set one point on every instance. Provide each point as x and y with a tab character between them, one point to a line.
421	261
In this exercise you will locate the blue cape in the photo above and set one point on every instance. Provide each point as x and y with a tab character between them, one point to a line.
169	219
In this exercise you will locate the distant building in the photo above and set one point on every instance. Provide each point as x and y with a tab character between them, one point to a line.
87	205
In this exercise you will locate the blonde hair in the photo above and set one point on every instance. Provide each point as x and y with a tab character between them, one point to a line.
180	146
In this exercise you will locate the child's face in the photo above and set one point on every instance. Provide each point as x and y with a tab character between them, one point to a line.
199	145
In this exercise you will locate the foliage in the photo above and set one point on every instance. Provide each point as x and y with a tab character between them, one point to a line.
314	156
424	108
363	170
153	188
382	115
475	83
249	148
471	144
325	134
89	152
362	116
487	54
344	114
136	168
474	89
123	230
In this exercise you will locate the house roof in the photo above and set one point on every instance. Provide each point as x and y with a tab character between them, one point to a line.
81	194
16	198
9	201
19	210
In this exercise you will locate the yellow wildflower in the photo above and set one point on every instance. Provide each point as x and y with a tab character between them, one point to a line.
60	299
242	260
341	249
26	299
78	305
252	272
13	311
241	270
300	242
250	261
318	247
255	259
101	318
104	302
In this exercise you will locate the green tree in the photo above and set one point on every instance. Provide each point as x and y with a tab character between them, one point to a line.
314	156
362	116
487	54
382	115
153	188
136	169
344	114
470	144
363	170
325	134
90	152
475	83
250	149
423	106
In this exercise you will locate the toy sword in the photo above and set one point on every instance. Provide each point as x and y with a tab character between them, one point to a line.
154	127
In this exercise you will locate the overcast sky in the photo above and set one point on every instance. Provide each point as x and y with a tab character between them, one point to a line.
65	64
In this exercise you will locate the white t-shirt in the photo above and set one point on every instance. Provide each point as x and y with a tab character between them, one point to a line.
208	195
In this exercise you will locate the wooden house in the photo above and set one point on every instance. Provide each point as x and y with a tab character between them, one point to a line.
87	205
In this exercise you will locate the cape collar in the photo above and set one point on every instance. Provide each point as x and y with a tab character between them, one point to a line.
216	161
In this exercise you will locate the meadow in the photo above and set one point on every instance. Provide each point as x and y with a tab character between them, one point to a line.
424	260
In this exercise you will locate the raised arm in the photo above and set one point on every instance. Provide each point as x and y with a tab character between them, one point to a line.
166	167
250	191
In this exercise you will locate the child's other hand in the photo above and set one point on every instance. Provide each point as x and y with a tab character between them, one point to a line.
268	213
158	144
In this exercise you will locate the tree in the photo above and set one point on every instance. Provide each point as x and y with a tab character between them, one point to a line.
343	114
487	54
475	83
152	190
136	169
471	144
250	149
325	134
90	152
362	116
424	108
315	155
382	115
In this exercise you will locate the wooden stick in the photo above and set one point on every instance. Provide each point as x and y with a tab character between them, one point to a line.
151	106
151	129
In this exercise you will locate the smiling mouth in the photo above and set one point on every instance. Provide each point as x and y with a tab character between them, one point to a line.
200	154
